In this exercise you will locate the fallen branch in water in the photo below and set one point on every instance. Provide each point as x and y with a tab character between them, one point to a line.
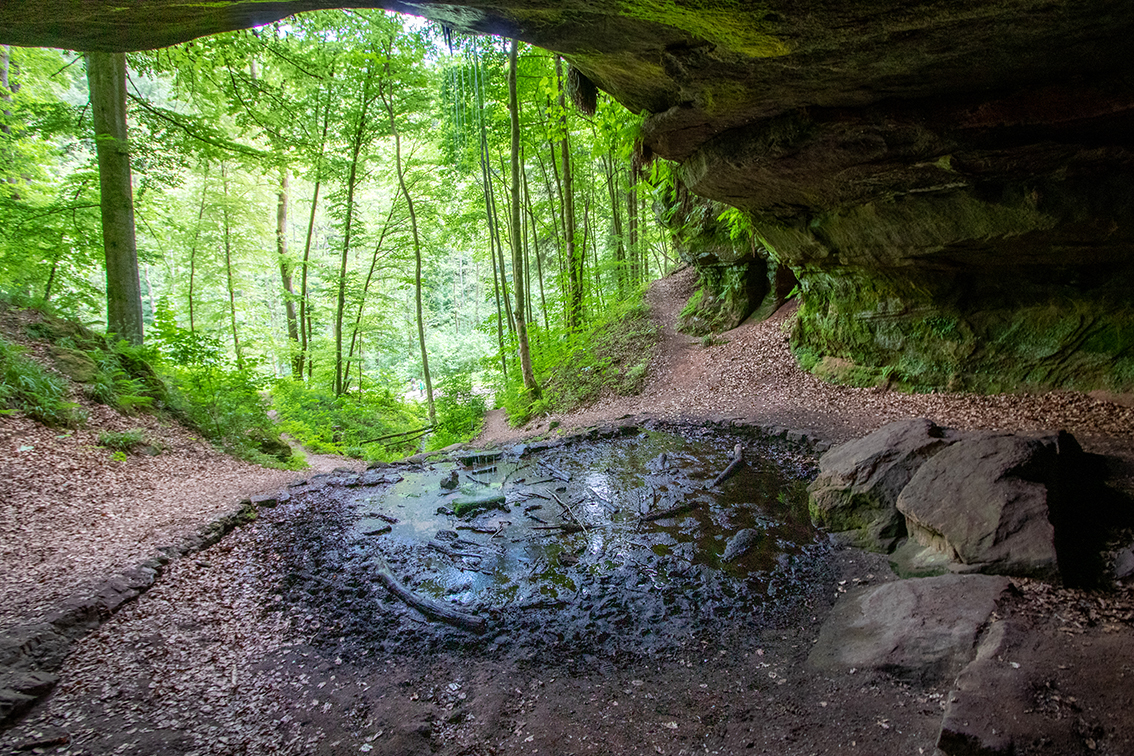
571	511
453	552
416	432
661	514
569	528
426	606
733	466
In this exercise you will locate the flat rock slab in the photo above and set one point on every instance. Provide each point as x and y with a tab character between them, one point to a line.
921	630
1043	691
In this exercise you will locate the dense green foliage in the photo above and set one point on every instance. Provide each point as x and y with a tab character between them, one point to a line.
285	178
25	385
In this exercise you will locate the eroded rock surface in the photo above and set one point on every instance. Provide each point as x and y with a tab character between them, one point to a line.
984	502
922	630
859	482
1037	690
971	502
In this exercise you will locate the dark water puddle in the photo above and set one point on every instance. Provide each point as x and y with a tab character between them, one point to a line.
614	545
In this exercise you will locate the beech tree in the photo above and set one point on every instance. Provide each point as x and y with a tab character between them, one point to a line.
106	74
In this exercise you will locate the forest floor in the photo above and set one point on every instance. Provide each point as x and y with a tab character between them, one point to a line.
203	663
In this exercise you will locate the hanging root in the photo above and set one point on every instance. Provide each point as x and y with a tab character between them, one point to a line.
583	91
640	157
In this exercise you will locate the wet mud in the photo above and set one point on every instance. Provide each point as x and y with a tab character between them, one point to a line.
609	548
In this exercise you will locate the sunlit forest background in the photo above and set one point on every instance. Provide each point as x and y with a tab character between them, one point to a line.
297	187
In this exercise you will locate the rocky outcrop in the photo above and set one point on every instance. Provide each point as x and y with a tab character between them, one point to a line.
985	503
856	491
969	502
953	186
1035	690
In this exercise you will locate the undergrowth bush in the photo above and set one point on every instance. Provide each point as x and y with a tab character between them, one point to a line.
612	353
125	441
25	385
347	424
228	406
460	412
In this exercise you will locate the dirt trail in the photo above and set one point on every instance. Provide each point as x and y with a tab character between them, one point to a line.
751	374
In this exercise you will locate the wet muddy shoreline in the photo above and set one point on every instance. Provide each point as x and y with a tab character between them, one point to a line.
611	546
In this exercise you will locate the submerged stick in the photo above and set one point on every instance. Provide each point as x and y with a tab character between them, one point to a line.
426	606
661	514
728	472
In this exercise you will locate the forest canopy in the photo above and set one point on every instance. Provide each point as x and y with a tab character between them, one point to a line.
339	209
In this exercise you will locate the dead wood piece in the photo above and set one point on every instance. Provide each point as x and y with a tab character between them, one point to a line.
453	552
566	528
555	471
661	514
733	466
426	606
31	745
415	432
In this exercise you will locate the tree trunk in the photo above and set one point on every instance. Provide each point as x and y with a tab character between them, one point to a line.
304	309
106	77
493	236
634	251
285	276
352	182
228	270
5	91
518	283
193	246
575	260
356	333
416	253
535	251
620	269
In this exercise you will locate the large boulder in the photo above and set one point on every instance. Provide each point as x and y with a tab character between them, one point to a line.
922	630
858	485
986	501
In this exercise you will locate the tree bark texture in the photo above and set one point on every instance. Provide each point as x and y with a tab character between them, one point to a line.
285	277
106	77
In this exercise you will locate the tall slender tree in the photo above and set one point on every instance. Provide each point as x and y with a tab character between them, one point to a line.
517	243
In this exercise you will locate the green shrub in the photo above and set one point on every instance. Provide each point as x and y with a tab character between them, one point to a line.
125	441
25	385
460	411
611	353
348	424
113	386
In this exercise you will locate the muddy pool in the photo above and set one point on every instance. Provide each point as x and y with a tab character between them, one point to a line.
606	546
